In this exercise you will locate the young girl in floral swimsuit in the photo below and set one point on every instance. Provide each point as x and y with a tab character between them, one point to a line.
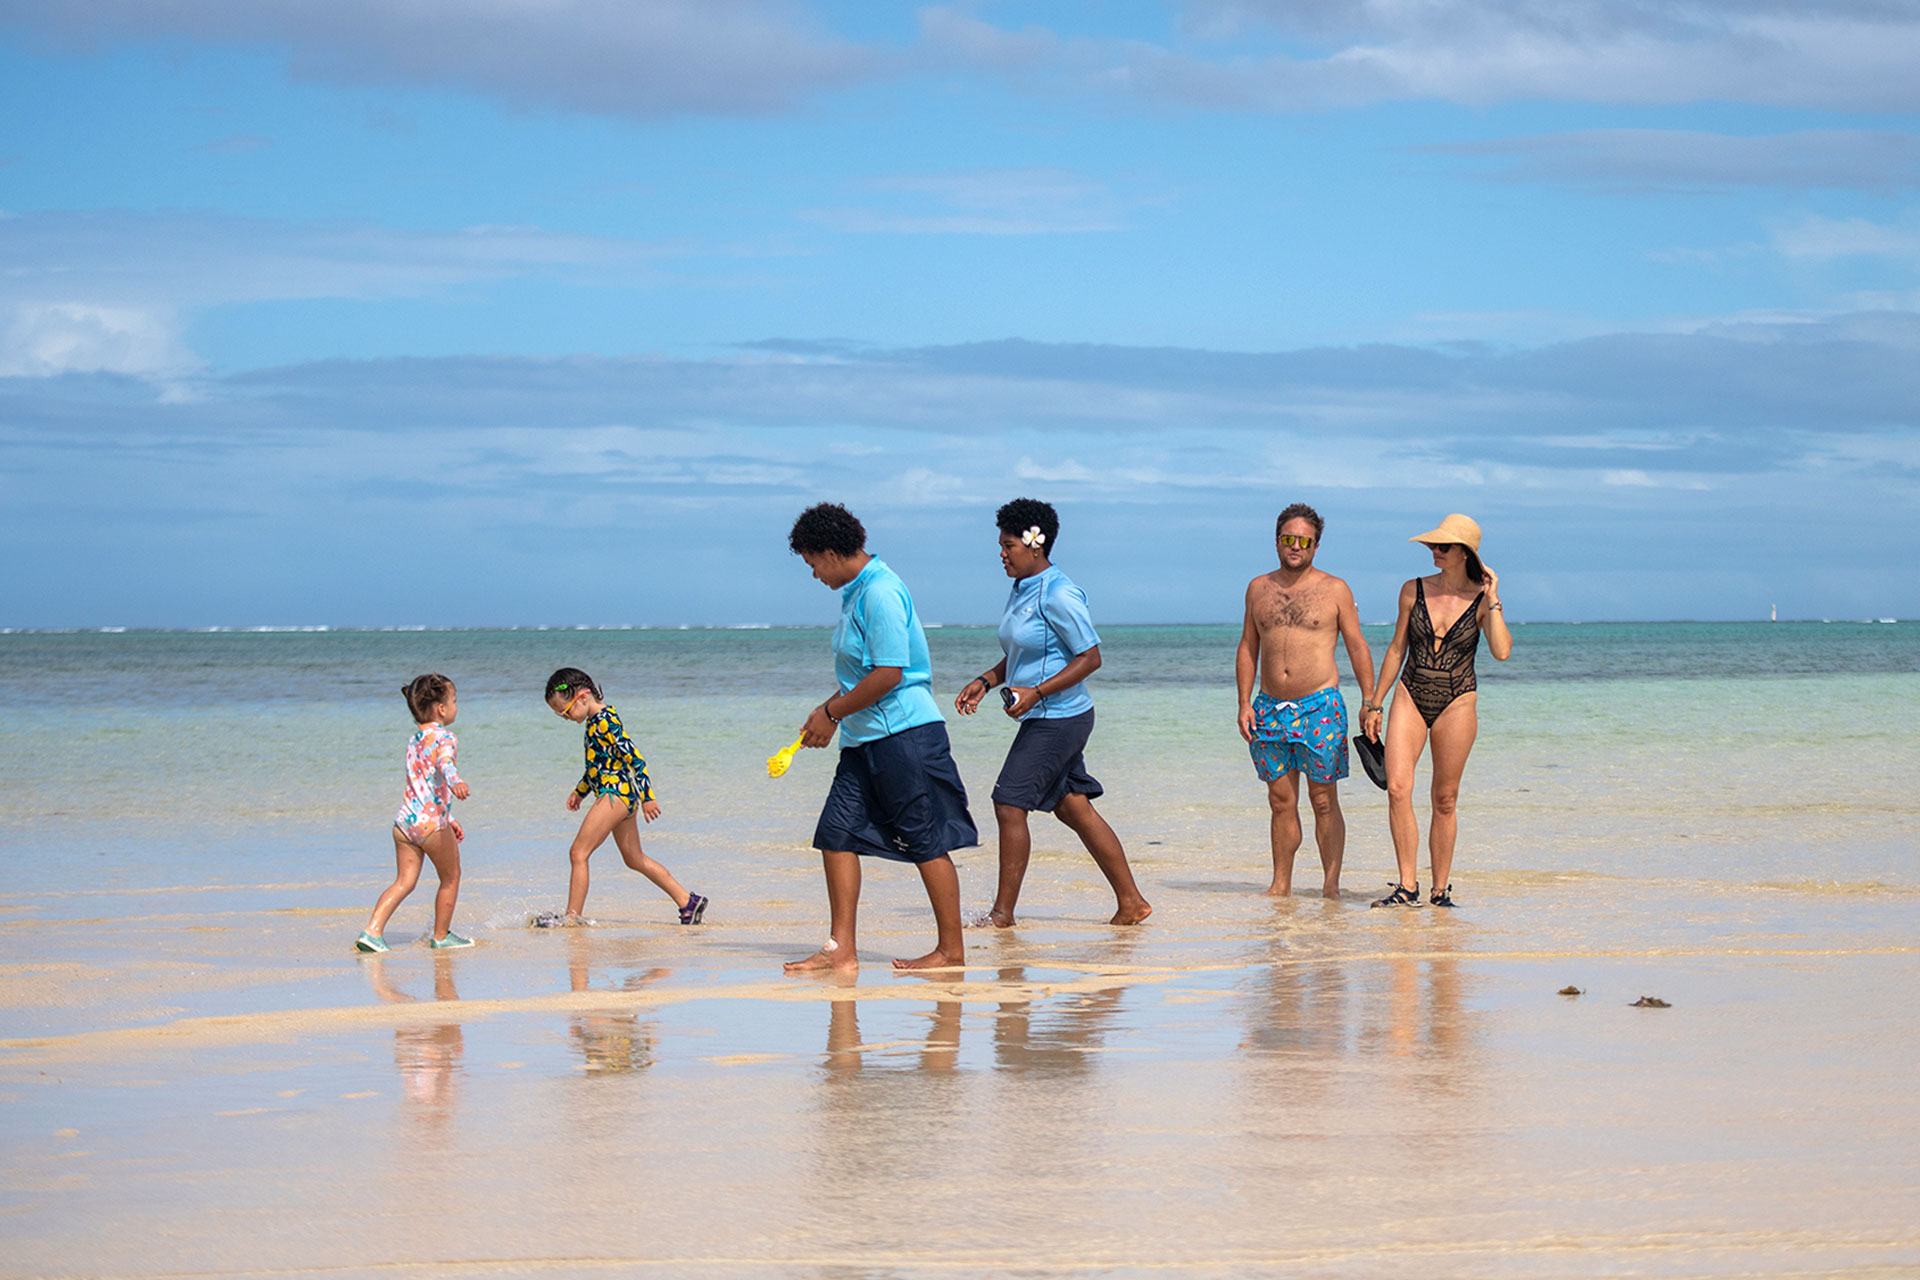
425	828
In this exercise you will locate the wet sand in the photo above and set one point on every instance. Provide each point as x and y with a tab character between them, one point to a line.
198	1081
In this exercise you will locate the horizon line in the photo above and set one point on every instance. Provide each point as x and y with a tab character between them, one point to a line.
382	629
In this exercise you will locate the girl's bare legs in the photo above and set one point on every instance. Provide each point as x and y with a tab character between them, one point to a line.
1406	736
407	859
1453	735
1016	849
600	821
843	905
942	881
444	852
626	838
1081	818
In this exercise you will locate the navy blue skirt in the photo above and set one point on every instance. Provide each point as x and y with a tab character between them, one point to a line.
899	797
1045	765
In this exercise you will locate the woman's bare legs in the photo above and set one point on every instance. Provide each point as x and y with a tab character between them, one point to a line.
1452	738
626	838
1406	737
843	906
942	881
1016	850
1081	818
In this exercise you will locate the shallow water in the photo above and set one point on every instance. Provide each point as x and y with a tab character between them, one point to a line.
196	1077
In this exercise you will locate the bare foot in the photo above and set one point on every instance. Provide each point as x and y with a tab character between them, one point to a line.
992	920
935	959
1277	890
1132	913
831	956
1331	890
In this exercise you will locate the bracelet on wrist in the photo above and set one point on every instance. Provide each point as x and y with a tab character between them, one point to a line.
986	683
828	714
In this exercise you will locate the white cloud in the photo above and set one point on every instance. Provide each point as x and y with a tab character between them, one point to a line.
49	339
1279	55
105	291
1677	159
181	259
617	57
1823	239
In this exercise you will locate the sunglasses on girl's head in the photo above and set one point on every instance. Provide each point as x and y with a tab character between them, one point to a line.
560	691
1299	540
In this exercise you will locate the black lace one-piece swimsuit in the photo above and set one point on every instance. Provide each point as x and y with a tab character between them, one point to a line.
1434	679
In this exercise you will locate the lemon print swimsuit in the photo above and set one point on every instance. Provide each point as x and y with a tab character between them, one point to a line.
614	768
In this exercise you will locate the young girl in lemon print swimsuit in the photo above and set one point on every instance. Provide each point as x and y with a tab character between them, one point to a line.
425	828
617	792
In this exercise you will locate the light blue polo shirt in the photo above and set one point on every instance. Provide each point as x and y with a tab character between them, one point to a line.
878	628
1046	626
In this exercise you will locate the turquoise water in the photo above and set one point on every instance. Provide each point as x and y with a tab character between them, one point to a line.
1707	751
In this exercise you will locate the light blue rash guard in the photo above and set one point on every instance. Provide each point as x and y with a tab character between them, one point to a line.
878	628
1046	626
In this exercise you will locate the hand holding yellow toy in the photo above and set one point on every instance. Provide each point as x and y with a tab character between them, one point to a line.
777	764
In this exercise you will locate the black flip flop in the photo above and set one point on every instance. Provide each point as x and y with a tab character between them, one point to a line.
1373	758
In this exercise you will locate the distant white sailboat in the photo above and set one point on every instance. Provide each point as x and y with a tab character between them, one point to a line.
1774	614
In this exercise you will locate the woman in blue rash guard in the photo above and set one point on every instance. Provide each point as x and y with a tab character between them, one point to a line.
896	793
1050	649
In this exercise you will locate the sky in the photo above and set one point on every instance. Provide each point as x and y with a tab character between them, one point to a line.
557	312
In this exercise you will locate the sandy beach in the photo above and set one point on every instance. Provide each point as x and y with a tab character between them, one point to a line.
197	1078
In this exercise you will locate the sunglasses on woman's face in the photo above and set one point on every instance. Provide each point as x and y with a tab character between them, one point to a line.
1299	540
1443	548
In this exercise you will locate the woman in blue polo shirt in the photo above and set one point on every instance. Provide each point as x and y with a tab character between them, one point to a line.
896	793
1051	648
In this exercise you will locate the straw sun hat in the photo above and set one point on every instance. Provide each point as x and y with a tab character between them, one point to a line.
1455	528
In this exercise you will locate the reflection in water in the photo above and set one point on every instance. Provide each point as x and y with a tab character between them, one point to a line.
1424	995
428	1056
1327	1032
609	1042
1061	1037
848	1055
895	1107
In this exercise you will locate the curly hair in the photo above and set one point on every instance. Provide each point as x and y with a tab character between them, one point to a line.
424	693
824	527
1023	514
1300	511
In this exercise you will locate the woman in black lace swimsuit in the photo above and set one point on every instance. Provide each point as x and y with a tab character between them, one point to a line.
1441	619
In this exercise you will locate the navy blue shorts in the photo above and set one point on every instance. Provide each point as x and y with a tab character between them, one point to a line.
1045	765
899	797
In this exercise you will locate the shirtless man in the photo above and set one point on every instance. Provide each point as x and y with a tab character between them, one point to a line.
1298	722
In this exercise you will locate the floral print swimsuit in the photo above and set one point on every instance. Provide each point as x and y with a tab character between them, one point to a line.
614	767
431	775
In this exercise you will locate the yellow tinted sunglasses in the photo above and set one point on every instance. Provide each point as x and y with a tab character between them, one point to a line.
1299	540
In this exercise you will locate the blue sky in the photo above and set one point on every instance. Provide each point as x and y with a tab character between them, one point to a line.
465	313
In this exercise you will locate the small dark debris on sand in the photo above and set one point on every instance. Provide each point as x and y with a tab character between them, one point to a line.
1649	1002
1571	991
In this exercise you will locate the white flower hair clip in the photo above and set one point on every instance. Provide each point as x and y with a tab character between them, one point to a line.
1034	538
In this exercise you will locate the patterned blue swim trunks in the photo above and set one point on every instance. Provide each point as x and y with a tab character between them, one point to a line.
1309	735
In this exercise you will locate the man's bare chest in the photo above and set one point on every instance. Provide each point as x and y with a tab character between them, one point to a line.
1302	609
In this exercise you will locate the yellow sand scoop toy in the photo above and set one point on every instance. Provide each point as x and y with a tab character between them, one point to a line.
777	764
